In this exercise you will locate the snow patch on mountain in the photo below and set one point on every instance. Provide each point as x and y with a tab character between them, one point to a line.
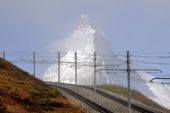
161	92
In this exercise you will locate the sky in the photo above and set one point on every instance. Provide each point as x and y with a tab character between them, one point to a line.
37	25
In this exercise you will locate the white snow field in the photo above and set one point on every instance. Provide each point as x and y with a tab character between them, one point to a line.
86	39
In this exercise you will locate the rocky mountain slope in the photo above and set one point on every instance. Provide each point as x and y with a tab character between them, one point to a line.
20	92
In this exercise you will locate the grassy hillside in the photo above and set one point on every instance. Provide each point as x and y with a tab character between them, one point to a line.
135	95
23	93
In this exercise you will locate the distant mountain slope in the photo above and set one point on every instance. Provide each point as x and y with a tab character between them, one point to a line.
23	93
135	95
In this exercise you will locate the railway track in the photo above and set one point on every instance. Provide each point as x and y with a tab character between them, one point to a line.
134	105
85	100
124	102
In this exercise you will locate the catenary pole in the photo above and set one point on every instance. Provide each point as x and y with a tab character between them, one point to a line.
3	54
34	63
75	68
128	80
94	76
58	67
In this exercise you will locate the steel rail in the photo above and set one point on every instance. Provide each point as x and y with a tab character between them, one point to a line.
85	100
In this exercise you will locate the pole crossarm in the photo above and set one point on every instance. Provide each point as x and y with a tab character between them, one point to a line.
157	78
132	70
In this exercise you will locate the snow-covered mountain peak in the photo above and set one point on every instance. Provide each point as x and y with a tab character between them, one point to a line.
84	22
85	17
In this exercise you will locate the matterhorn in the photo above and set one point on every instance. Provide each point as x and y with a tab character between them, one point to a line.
87	39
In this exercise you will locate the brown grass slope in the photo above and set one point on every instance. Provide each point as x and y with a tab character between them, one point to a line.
23	93
135	95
